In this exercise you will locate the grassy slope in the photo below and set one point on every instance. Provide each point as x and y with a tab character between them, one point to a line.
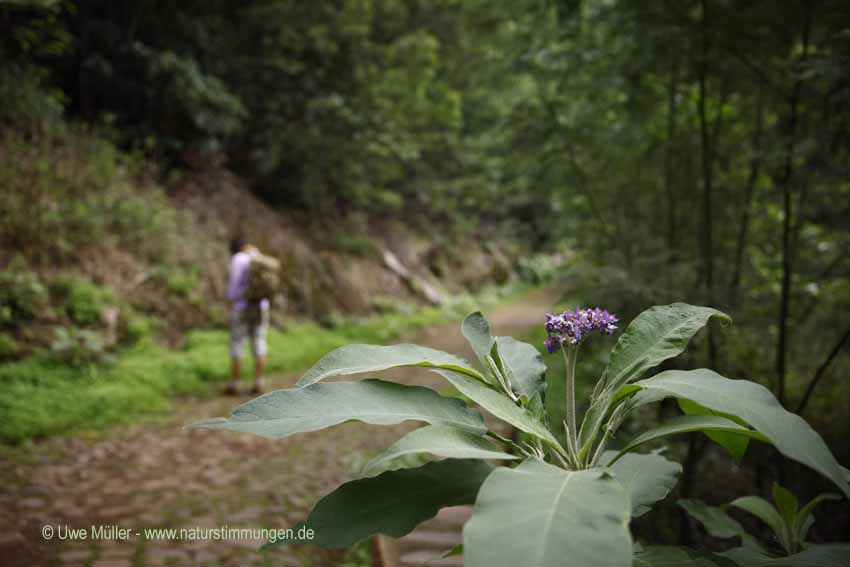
40	397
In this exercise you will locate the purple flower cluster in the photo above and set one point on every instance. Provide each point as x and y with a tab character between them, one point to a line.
571	326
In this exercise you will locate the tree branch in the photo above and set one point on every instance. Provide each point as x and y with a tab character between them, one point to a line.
822	370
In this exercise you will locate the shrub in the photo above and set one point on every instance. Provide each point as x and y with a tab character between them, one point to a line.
22	295
8	347
183	283
72	193
361	247
135	328
78	347
82	300
28	101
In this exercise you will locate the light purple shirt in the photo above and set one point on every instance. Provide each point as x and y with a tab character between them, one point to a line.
239	268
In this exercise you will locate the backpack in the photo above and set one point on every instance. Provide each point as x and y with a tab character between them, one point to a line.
263	277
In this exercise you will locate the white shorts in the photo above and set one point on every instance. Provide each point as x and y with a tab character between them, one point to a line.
252	326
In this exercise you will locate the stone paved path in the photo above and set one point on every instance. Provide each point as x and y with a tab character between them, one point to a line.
157	475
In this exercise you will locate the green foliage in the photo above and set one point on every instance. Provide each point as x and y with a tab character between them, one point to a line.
22	294
441	441
789	523
532	509
8	346
648	478
657	334
184	283
142	379
709	424
78	347
565	503
71	194
753	404
360	555
82	300
356	246
202	103
136	328
325	405
29	102
654	336
539	268
369	506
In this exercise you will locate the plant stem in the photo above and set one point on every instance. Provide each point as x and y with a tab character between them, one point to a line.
570	357
601	449
503	381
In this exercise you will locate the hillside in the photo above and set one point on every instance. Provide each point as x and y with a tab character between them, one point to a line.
98	247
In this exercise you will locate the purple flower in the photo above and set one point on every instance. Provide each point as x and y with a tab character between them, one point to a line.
570	327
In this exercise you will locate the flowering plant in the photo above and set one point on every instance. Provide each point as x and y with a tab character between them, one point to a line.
550	504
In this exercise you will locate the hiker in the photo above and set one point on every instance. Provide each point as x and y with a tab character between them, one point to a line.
249	317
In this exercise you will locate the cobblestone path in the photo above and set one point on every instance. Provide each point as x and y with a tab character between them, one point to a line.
157	475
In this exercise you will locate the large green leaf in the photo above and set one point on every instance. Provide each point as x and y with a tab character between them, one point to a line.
355	359
754	404
538	515
439	440
689	424
498	404
648	478
523	365
520	362
718	523
655	335
764	510
476	329
786	504
805	518
285	412
392	503
735	443
667	556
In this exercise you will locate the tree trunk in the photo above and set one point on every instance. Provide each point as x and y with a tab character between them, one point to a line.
788	212
746	208
669	189
707	159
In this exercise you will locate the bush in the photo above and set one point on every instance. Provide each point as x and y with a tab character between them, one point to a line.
361	247
182	283
83	301
71	193
22	295
8	347
135	328
78	347
538	269
28	102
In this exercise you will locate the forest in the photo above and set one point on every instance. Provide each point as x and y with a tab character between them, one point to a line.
410	162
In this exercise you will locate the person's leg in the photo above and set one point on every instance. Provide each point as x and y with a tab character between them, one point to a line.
259	348
237	348
259	373
235	375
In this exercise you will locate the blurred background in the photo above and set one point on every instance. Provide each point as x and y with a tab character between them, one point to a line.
409	160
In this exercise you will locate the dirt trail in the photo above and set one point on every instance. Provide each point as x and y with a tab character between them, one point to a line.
161	476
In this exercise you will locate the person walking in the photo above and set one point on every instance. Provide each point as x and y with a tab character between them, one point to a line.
249	318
